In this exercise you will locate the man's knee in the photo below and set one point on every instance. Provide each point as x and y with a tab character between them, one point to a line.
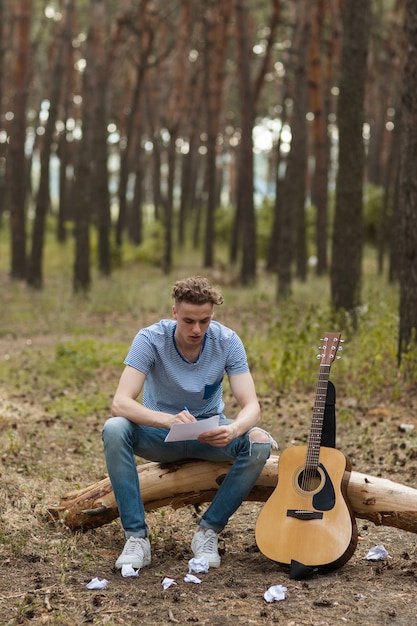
114	428
259	435
109	426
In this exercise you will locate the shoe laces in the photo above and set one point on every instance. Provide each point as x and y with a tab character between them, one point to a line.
209	541
133	546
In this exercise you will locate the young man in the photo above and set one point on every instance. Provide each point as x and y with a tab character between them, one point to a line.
179	365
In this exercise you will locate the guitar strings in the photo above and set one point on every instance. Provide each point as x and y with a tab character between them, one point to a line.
310	474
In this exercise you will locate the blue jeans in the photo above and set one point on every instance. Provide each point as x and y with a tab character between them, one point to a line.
123	440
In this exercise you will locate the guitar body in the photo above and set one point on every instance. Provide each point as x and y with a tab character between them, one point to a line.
307	518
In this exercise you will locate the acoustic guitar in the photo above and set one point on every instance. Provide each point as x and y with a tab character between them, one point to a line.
307	522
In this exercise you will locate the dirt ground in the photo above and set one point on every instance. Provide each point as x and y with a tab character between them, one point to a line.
45	567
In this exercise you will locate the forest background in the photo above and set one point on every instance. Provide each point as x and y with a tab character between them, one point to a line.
278	131
269	145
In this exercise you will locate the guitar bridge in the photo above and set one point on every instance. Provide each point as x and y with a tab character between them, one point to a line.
304	515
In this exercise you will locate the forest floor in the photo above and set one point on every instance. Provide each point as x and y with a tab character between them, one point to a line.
45	567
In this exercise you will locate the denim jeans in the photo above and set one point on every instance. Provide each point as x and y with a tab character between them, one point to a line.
123	440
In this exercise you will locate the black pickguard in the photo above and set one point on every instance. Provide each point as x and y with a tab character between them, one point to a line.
325	499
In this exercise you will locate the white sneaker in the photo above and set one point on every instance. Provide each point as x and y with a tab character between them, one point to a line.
137	553
204	546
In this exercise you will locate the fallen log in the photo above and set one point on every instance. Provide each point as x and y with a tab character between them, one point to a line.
378	500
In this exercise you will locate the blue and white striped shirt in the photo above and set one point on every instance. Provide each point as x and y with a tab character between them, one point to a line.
172	382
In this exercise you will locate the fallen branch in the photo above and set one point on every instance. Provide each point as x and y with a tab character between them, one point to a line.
378	500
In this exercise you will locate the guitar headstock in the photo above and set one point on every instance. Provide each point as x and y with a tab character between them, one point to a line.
329	348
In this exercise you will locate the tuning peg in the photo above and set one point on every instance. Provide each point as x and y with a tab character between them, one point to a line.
340	348
318	356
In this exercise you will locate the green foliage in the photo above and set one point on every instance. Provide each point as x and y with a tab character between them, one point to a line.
264	228
17	543
370	357
151	251
283	348
77	358
74	374
372	212
285	353
264	225
408	367
69	378
224	218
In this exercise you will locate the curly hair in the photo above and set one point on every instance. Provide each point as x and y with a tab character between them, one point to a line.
196	290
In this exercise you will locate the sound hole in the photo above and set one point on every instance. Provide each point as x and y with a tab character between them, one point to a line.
309	479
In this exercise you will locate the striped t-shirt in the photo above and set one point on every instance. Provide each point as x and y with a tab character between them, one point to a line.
173	383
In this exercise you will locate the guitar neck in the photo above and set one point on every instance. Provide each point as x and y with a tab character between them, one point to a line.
314	439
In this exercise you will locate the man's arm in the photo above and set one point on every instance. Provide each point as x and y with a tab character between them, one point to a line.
243	389
125	403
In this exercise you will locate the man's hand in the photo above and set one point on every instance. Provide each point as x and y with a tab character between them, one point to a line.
183	417
219	437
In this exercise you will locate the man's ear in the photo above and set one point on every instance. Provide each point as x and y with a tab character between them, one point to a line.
174	311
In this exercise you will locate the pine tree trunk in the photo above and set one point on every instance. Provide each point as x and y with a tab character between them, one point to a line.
16	162
348	222
245	213
100	180
60	65
407	209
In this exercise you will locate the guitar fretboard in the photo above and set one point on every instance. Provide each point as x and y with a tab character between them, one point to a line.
314	439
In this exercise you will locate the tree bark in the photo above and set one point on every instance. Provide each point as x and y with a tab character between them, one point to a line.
378	500
60	65
145	36
16	161
3	147
348	222
292	228
320	74
217	19
407	208
100	181
190	161
82	187
245	212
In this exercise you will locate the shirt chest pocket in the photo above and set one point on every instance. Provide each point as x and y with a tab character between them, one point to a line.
210	390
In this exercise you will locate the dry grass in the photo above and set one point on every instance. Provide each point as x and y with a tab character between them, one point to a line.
60	359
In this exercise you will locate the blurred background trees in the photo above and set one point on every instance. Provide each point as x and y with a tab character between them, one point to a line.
268	136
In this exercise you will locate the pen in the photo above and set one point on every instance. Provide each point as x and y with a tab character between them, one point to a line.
185	408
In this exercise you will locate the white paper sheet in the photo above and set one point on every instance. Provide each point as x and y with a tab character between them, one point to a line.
96	583
275	593
191	430
128	570
199	565
168	582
